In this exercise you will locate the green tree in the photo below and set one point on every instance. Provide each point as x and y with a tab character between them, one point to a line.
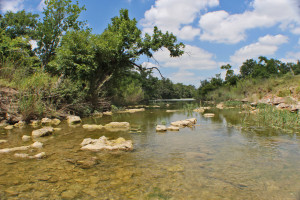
230	77
96	58
60	16
248	67
19	24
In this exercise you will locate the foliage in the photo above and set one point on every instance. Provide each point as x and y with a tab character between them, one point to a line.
60	16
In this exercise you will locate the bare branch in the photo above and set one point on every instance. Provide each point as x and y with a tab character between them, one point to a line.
142	68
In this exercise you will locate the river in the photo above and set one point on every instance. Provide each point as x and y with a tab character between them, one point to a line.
216	159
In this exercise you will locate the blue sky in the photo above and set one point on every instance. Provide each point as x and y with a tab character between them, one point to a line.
215	32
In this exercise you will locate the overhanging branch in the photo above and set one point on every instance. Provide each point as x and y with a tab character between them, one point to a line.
142	68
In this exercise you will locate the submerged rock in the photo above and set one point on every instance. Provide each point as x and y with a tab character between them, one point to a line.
184	123
85	163
37	145
73	120
104	144
173	128
8	150
209	115
117	126
161	128
3	141
9	127
42	132
25	155
92	126
26	138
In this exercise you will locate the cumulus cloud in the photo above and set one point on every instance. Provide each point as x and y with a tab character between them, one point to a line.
265	46
11	5
176	16
292	57
186	77
221	27
194	58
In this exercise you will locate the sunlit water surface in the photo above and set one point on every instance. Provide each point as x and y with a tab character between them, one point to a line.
209	161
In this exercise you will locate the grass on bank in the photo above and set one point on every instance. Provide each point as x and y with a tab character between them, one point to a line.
255	89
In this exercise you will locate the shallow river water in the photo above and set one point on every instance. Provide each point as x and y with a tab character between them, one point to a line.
213	160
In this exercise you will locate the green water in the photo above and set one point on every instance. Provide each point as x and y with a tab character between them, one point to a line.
212	160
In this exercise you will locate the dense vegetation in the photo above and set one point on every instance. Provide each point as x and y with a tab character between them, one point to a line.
256	77
74	70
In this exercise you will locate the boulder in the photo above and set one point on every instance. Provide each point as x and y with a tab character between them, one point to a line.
193	120
104	144
161	128
207	115
26	138
42	132
173	128
92	126
72	120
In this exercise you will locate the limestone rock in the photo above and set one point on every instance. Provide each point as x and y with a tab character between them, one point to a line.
92	126
20	124
37	145
107	113
55	122
208	115
182	123
46	121
104	144
35	123
8	150
200	110
132	110
117	126
171	111
26	138
220	106
9	127
173	128
161	128
72	120
3	141
42	132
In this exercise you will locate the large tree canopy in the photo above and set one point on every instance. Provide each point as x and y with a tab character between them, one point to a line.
96	58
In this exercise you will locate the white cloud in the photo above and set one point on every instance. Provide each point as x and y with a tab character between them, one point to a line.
221	27
265	46
176	16
42	5
299	41
193	58
185	77
292	57
11	5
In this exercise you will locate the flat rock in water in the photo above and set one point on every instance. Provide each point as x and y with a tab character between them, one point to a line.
92	126
42	132
72	120
209	115
37	145
9	127
161	128
117	126
104	144
173	128
3	141
8	150
26	138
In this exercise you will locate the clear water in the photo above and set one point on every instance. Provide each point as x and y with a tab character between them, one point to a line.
210	161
